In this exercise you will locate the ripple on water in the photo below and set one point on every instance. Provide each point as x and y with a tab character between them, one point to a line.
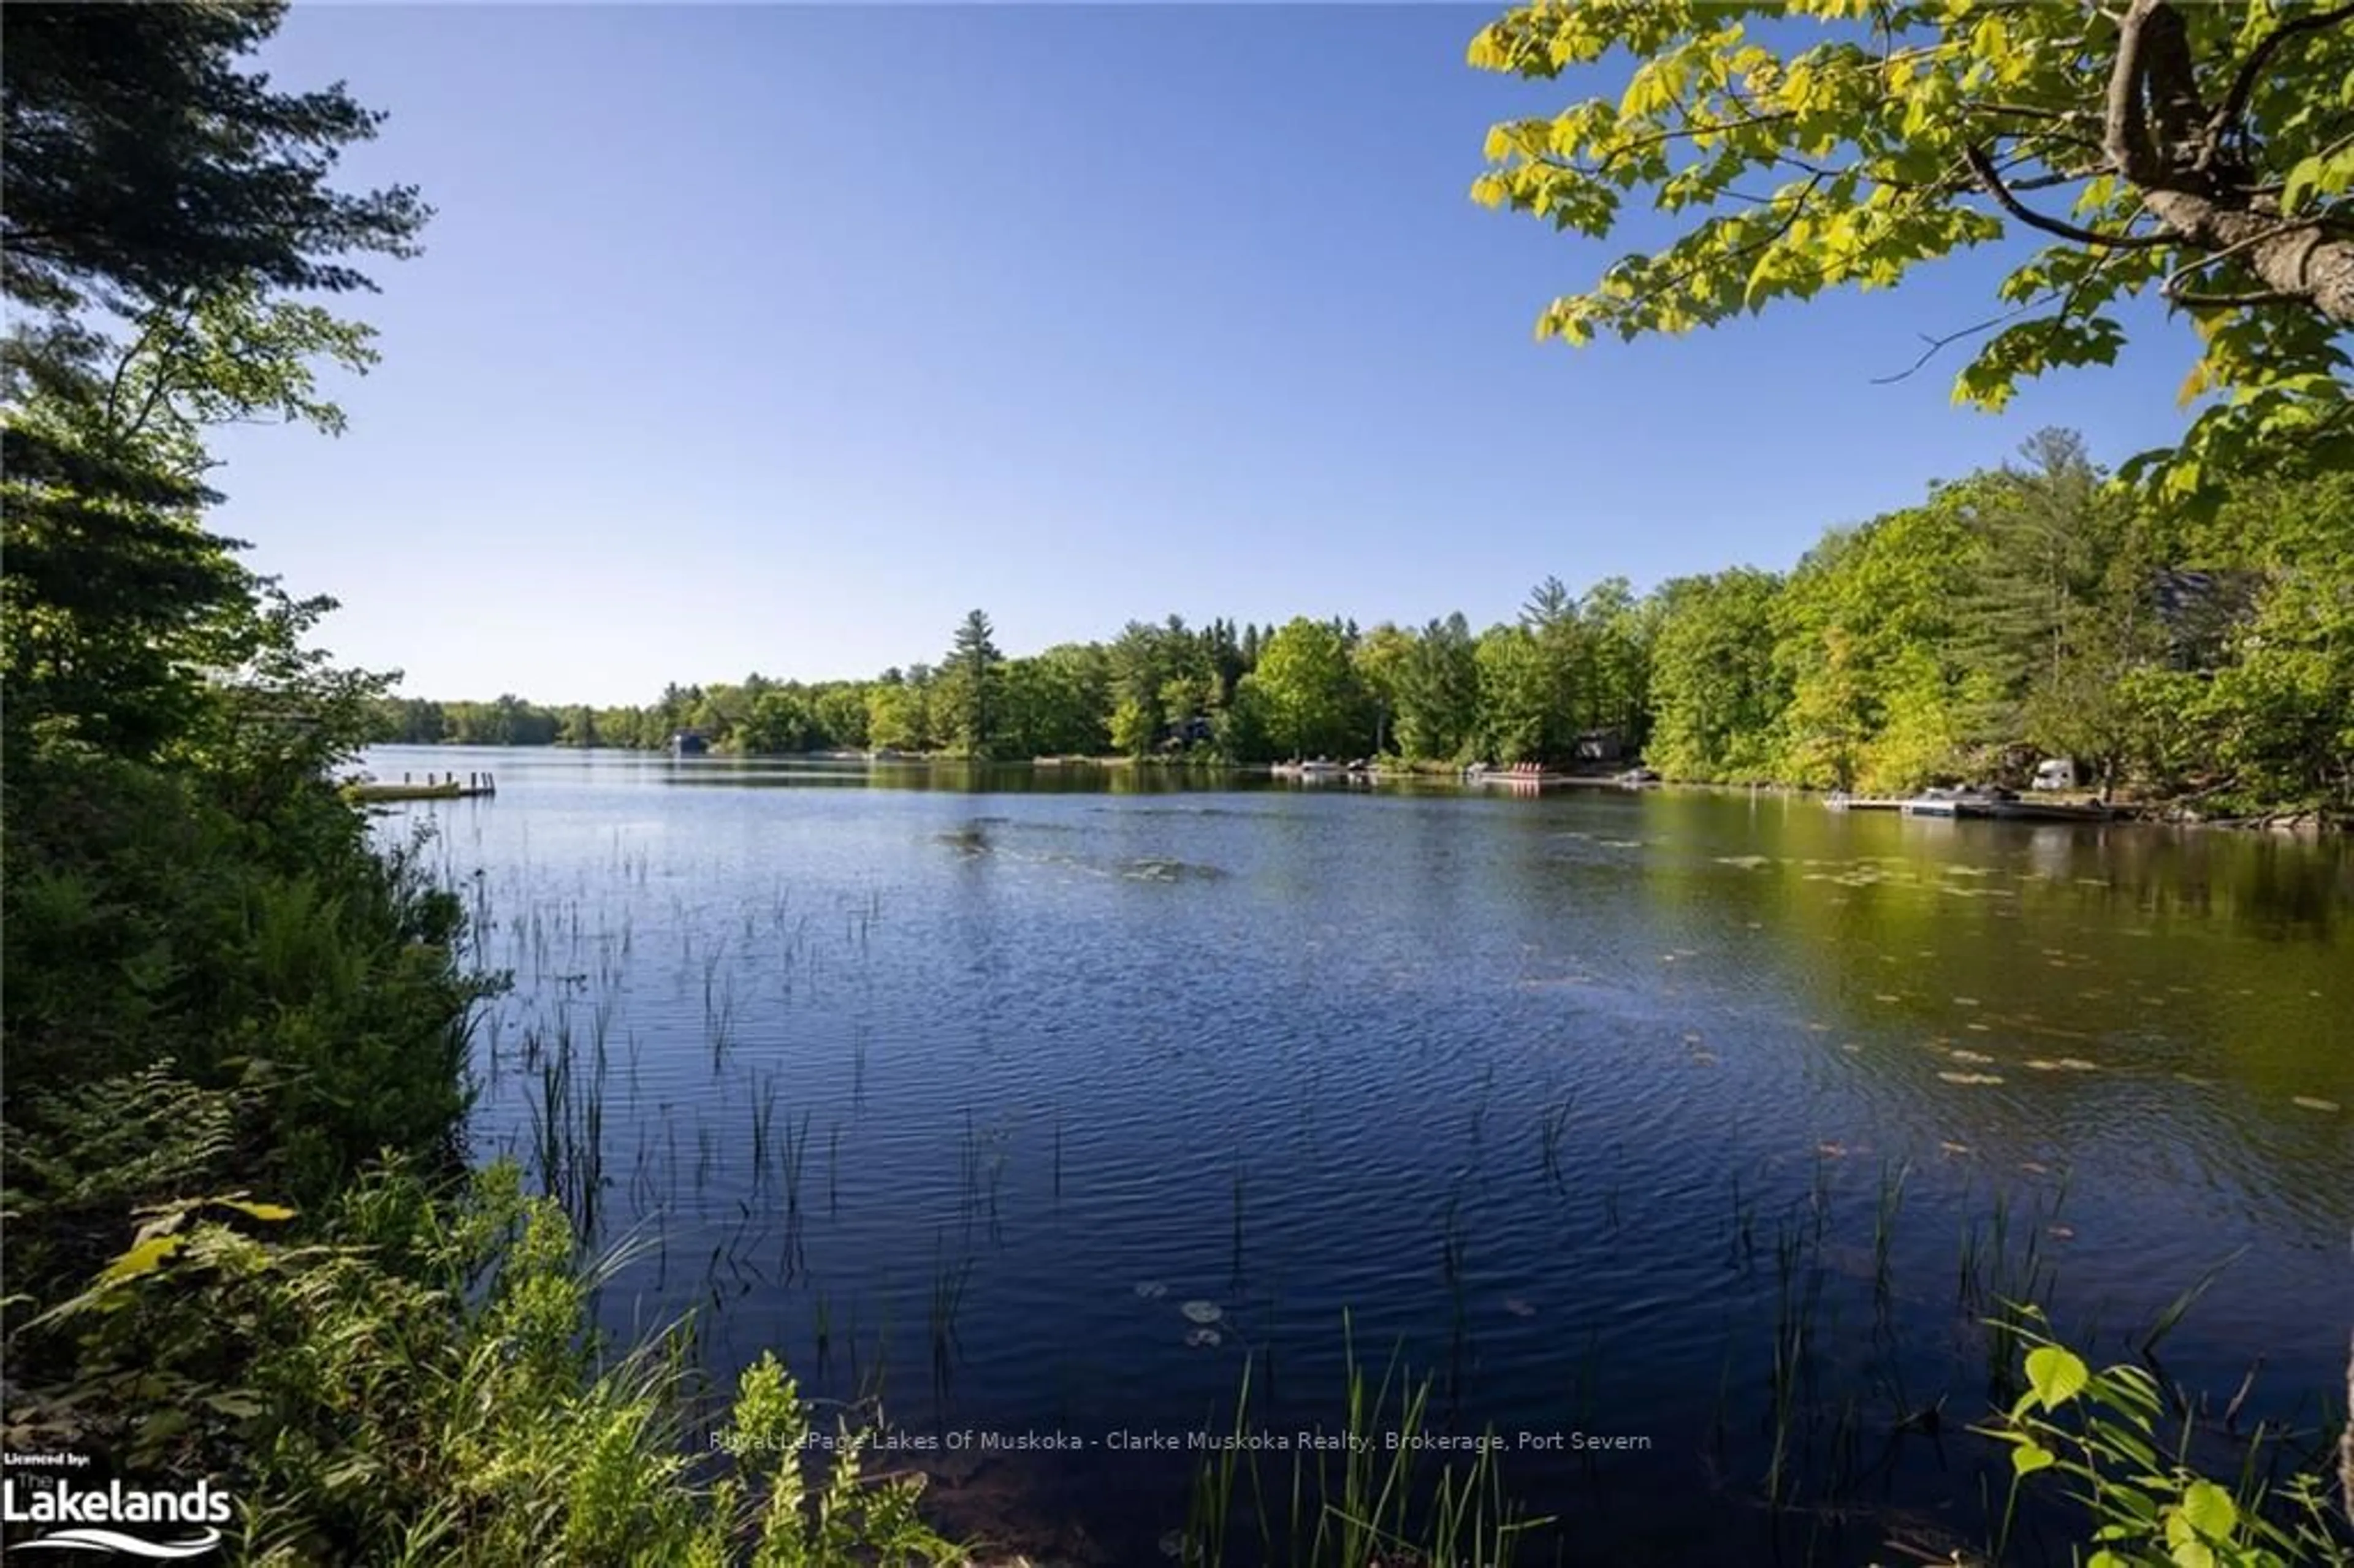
1016	1047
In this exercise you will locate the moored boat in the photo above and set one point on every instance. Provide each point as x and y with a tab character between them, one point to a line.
2052	811
1952	803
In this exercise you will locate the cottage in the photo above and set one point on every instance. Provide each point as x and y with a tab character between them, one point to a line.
1599	746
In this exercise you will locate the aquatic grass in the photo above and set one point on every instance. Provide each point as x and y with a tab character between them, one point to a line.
1967	1269
1744	1218
550	1116
1884	1229
793	1260
1452	1242
1553	1127
588	1161
796	1153
2170	1317
719	1026
969	1162
833	1168
566	1130
948	1283
1371	1508
1478	1119
1794	1306
763	1116
1212	1500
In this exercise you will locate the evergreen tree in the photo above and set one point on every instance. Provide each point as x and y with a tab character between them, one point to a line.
972	672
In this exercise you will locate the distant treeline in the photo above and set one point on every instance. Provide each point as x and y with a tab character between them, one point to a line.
2025	612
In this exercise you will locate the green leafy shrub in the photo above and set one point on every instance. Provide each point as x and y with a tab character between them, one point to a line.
2101	1432
422	1383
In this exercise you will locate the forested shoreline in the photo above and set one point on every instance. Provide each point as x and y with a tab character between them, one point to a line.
2030	612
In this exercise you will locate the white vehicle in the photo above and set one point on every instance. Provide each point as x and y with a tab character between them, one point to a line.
2057	773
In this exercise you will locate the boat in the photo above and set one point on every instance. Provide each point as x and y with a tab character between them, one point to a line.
2052	811
1320	769
1953	803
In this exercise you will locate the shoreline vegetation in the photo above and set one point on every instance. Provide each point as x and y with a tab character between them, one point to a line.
2171	813
2199	669
247	1244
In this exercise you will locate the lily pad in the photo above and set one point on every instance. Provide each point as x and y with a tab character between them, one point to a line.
1203	1338
1518	1307
2312	1103
1202	1312
1151	1289
1970	1077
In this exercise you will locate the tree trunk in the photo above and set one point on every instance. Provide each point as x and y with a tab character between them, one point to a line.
2346	1439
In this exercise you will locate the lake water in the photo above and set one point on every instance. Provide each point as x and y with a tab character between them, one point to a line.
1582	1103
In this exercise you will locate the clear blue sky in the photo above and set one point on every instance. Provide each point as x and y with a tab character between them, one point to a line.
777	338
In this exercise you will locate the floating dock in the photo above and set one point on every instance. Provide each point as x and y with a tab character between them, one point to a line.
1520	778
434	786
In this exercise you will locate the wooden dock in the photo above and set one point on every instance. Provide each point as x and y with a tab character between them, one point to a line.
434	786
1524	777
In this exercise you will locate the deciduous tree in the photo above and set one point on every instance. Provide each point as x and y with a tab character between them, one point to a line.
2201	152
